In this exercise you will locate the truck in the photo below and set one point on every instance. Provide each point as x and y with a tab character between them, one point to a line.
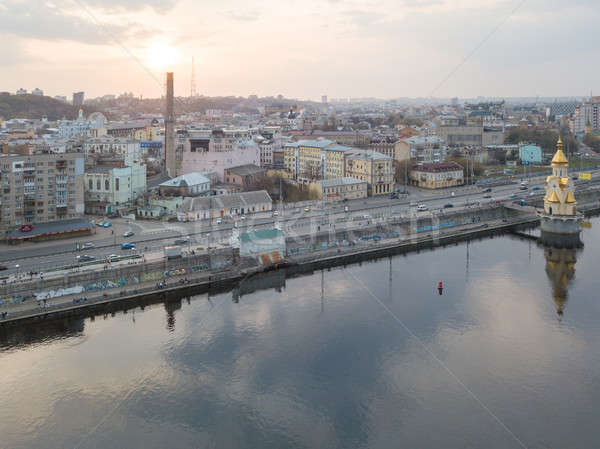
172	252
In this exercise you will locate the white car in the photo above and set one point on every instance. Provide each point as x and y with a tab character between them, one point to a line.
275	213
219	220
422	207
88	245
243	217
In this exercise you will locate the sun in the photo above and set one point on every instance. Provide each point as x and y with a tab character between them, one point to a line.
160	55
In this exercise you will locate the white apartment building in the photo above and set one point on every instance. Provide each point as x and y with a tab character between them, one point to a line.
130	150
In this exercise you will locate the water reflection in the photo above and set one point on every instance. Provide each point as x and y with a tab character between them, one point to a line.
560	268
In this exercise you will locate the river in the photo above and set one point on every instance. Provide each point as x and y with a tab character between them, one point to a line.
365	356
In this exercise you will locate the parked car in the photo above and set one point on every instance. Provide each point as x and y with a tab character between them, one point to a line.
422	207
448	205
128	234
345	208
3	267
183	241
513	196
219	220
523	187
393	196
275	213
88	245
488	190
536	188
307	209
85	258
112	257
106	224
487	195
243	217
128	246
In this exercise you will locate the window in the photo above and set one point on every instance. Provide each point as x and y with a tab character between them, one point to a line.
117	184
97	184
90	184
106	185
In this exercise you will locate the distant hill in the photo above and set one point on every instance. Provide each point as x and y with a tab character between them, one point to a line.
35	106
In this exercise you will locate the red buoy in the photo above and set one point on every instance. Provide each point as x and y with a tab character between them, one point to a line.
440	288
440	285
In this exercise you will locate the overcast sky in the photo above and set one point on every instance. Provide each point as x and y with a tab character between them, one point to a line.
303	48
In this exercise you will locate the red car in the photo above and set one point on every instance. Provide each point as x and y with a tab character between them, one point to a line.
3	267
26	228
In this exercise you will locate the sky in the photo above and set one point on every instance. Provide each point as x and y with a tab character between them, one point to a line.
302	48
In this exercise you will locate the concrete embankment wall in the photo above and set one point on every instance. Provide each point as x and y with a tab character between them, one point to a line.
123	274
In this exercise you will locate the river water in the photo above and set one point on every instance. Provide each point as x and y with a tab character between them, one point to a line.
369	355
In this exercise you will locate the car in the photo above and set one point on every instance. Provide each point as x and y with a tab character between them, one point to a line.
106	224
523	187
536	188
345	208
26	228
488	190
531	193
85	258
448	205
219	220
422	207
513	196
183	241
88	245
128	246
366	216
3	267
275	213
243	217
393	196
307	209
297	211
487	195
128	234
113	257
345	200
99	222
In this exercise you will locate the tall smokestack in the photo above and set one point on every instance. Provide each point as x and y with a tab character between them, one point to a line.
170	159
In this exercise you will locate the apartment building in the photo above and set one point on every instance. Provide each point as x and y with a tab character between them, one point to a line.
130	150
376	169
343	189
40	188
423	149
437	175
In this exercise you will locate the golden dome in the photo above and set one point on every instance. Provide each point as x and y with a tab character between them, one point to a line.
553	198
571	198
559	157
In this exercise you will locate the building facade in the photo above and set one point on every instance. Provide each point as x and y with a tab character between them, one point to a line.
108	188
41	188
437	175
223	206
376	169
341	189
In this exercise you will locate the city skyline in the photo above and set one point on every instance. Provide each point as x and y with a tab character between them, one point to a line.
386	49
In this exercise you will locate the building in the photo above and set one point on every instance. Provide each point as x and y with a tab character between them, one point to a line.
392	147
586	116
359	139
340	189
22	91
560	218
429	149
109	188
38	92
310	160
190	184
472	135
437	175
222	206
73	128
41	188
530	154
266	148
78	98
244	175
214	152
376	169
128	149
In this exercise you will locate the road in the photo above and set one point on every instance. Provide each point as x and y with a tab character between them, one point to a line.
152	236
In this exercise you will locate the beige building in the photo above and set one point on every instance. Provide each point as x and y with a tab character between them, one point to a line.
376	169
343	189
437	175
41	188
392	148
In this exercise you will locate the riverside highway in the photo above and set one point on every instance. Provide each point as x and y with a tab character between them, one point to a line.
151	236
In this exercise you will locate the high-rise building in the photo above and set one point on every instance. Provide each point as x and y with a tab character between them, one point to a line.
78	98
41	187
324	99
170	156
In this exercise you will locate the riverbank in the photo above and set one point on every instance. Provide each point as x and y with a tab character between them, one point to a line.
202	273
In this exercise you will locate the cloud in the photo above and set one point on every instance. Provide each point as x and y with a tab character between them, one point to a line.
160	6
249	16
37	19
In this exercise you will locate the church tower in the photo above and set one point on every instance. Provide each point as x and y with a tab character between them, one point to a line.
560	206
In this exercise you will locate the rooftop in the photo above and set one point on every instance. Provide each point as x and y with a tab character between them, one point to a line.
56	227
246	170
263	234
233	201
189	179
438	167
341	181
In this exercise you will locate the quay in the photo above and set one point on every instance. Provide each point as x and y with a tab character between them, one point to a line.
222	270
